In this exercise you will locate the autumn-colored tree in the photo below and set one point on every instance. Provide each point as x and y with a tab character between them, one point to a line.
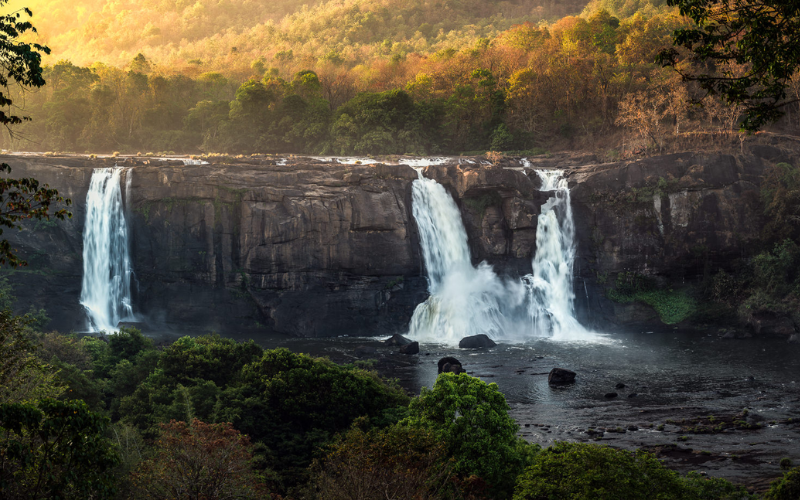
199	461
393	464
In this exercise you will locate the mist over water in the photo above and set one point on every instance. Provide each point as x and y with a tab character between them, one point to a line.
106	285
466	300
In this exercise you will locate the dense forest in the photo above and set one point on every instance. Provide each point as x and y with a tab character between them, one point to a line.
354	78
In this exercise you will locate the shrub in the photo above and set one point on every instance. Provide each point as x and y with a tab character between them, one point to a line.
471	418
786	488
583	471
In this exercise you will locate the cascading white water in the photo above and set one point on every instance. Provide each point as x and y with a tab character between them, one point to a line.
465	300
550	293
106	286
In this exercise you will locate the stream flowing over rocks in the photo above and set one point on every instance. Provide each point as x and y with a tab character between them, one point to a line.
317	248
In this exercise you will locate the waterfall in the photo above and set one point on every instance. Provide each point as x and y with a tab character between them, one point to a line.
106	286
466	300
551	309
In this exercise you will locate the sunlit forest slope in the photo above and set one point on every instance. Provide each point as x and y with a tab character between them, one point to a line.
365	77
216	34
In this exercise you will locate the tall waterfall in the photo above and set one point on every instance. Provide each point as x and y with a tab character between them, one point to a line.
463	300
106	287
550	295
466	300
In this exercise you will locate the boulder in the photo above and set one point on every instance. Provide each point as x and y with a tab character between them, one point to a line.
397	340
620	386
450	365
560	376
795	338
412	348
610	395
476	342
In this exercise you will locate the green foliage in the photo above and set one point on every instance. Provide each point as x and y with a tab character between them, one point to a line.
672	306
786	488
208	357
55	449
756	36
585	471
471	418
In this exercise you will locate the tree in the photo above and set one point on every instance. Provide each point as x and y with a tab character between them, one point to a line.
471	418
198	461
55	449
24	198
394	463
586	471
761	34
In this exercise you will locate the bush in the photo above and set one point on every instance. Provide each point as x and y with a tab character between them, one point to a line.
672	306
471	418
583	471
786	488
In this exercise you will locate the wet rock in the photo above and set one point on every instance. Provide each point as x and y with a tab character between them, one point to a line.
397	340
365	350
412	348
559	376
450	365
620	386
795	338
476	342
610	395
632	395
729	335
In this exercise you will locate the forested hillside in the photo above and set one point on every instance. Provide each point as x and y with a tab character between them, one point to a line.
365	77
231	34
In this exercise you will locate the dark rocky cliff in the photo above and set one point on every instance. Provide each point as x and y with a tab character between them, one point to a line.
323	249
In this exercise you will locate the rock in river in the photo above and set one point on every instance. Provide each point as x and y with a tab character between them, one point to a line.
397	340
476	342
412	348
561	376
449	364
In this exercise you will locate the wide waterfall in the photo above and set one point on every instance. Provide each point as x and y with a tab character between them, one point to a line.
466	300
106	287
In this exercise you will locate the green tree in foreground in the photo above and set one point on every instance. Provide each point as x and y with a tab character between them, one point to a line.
758	36
584	471
471	418
786	488
24	198
54	449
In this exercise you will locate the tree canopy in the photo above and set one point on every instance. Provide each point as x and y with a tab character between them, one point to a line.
745	51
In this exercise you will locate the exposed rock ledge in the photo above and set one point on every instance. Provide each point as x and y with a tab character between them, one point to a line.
323	249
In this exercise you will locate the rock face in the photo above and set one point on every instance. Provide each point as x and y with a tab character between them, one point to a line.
314	249
308	250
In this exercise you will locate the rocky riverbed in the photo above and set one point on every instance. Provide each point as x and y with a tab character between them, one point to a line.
723	407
